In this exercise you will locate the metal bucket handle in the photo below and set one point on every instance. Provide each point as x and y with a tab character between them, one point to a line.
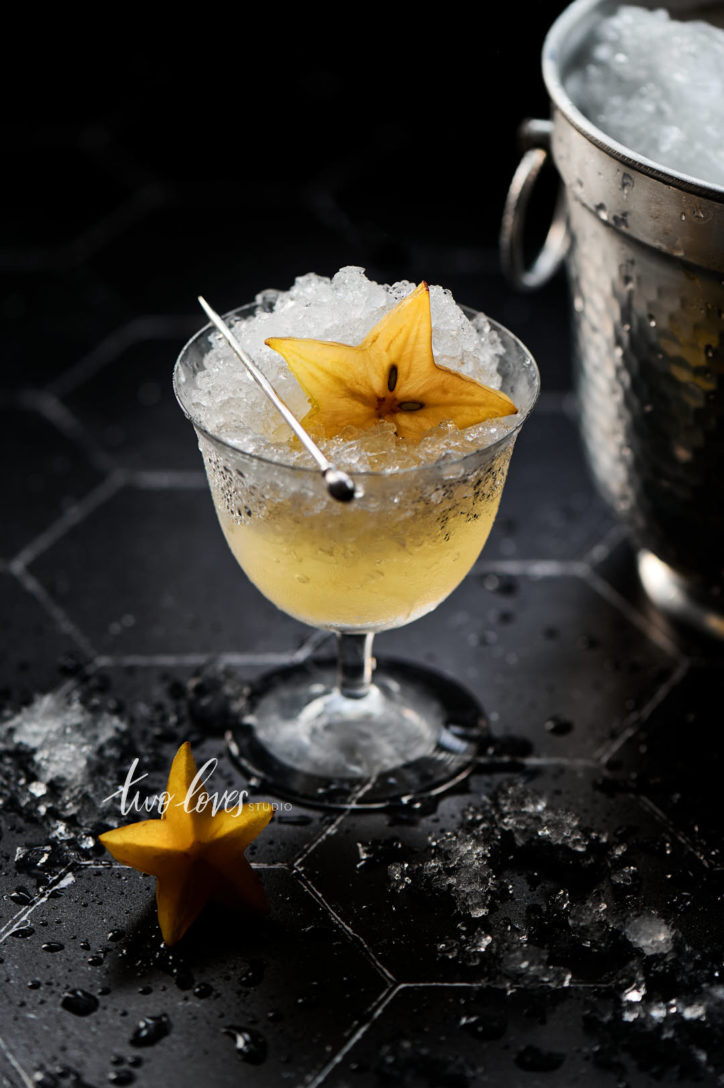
535	137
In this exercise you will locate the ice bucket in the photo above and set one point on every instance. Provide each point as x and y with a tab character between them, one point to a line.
644	250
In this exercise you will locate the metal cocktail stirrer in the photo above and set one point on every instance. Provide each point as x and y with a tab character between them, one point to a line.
340	486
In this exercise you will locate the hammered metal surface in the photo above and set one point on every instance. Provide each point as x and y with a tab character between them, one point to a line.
649	338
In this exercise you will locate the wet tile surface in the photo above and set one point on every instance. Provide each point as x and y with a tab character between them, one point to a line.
557	919
241	998
550	659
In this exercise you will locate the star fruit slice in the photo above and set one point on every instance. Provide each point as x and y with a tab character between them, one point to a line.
195	854
391	375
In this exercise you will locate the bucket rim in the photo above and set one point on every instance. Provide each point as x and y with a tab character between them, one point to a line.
554	56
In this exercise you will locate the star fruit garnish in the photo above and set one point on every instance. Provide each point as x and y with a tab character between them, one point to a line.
391	375
196	856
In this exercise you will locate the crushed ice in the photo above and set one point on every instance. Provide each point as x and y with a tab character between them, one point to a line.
538	901
514	831
58	760
227	403
650	934
657	86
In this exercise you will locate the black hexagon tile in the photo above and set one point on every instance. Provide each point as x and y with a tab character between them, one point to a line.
259	1000
50	474
676	760
45	218
554	664
37	651
221	270
149	572
540	878
51	320
129	407
469	1036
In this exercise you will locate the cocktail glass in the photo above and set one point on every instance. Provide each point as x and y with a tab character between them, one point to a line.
350	731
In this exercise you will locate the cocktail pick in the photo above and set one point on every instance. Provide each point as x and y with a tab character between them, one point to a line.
340	485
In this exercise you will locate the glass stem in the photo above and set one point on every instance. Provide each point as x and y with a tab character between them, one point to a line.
354	663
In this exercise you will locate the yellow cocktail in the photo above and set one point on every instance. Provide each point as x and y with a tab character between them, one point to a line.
328	733
372	565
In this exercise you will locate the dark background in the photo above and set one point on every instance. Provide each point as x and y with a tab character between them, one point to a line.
148	164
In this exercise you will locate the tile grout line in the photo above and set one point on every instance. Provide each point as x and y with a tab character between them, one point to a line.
181	660
24	913
138	329
532	568
129	210
12	1060
639	717
674	831
52	409
373	1012
73	516
350	933
542	761
312	643
598	552
627	610
332	826
63	622
167	480
481	984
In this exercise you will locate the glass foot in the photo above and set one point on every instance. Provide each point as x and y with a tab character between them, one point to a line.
676	597
414	733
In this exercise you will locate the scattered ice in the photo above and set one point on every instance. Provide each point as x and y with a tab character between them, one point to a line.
228	403
650	934
532	902
58	760
515	825
635	993
656	85
532	821
530	963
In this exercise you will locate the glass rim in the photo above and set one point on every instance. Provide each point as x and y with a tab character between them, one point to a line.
314	470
